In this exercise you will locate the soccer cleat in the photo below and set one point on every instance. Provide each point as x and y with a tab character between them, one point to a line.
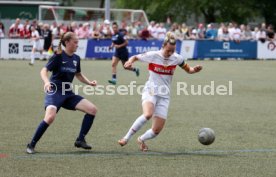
82	144
112	81
30	149
137	72
122	142
143	147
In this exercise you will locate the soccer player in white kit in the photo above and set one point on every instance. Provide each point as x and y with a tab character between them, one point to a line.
156	93
36	44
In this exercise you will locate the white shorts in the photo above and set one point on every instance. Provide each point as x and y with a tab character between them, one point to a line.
37	45
161	105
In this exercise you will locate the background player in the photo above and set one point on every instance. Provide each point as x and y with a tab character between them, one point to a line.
35	37
119	41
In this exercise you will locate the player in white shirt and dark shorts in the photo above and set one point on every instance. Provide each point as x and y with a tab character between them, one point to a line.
156	93
36	44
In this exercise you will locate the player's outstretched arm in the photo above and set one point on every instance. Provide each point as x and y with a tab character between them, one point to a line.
131	60
191	70
85	80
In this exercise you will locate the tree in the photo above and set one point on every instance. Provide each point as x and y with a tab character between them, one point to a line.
211	10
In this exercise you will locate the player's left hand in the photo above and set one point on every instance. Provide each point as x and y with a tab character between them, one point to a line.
197	68
93	83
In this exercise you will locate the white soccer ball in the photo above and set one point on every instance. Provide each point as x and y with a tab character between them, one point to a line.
206	136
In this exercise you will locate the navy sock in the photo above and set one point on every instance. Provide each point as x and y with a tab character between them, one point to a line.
134	69
42	127
114	76
86	125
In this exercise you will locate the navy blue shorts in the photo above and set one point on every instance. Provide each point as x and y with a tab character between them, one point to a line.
122	55
67	101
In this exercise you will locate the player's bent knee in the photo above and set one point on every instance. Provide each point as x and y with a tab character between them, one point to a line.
156	130
92	110
113	65
50	118
148	115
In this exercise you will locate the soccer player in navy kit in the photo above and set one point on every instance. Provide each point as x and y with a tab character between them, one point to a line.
120	42
64	66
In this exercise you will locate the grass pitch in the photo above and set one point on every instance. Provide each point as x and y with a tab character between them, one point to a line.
244	124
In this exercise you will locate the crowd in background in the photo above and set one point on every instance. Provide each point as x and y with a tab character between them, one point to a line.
95	30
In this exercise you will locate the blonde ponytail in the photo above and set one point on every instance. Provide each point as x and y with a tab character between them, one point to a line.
59	50
169	39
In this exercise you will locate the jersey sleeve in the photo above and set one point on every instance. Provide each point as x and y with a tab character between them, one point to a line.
146	57
181	61
53	62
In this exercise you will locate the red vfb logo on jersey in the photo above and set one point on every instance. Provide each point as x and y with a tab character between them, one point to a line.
161	69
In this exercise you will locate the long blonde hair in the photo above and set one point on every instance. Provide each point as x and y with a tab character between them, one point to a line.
169	39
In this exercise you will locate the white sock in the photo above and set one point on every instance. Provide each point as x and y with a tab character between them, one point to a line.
149	134
32	58
137	125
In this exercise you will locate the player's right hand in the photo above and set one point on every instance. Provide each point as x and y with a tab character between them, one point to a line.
47	87
128	64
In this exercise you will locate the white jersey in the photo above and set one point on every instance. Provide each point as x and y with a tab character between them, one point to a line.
36	42
161	71
35	34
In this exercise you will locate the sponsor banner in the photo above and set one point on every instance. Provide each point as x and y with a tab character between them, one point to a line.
267	50
100	48
22	48
16	48
187	49
220	49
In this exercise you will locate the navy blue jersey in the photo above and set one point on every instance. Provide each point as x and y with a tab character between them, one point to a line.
63	67
118	39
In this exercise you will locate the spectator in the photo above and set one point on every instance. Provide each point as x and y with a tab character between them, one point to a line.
105	29
254	33
220	30
2	30
176	31
231	29
96	32
261	35
133	30
191	34
73	27
236	33
151	29
55	30
161	32
200	32
83	31
39	28
184	28
144	33
248	33
211	32
242	28
224	36
25	31
14	31
270	33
